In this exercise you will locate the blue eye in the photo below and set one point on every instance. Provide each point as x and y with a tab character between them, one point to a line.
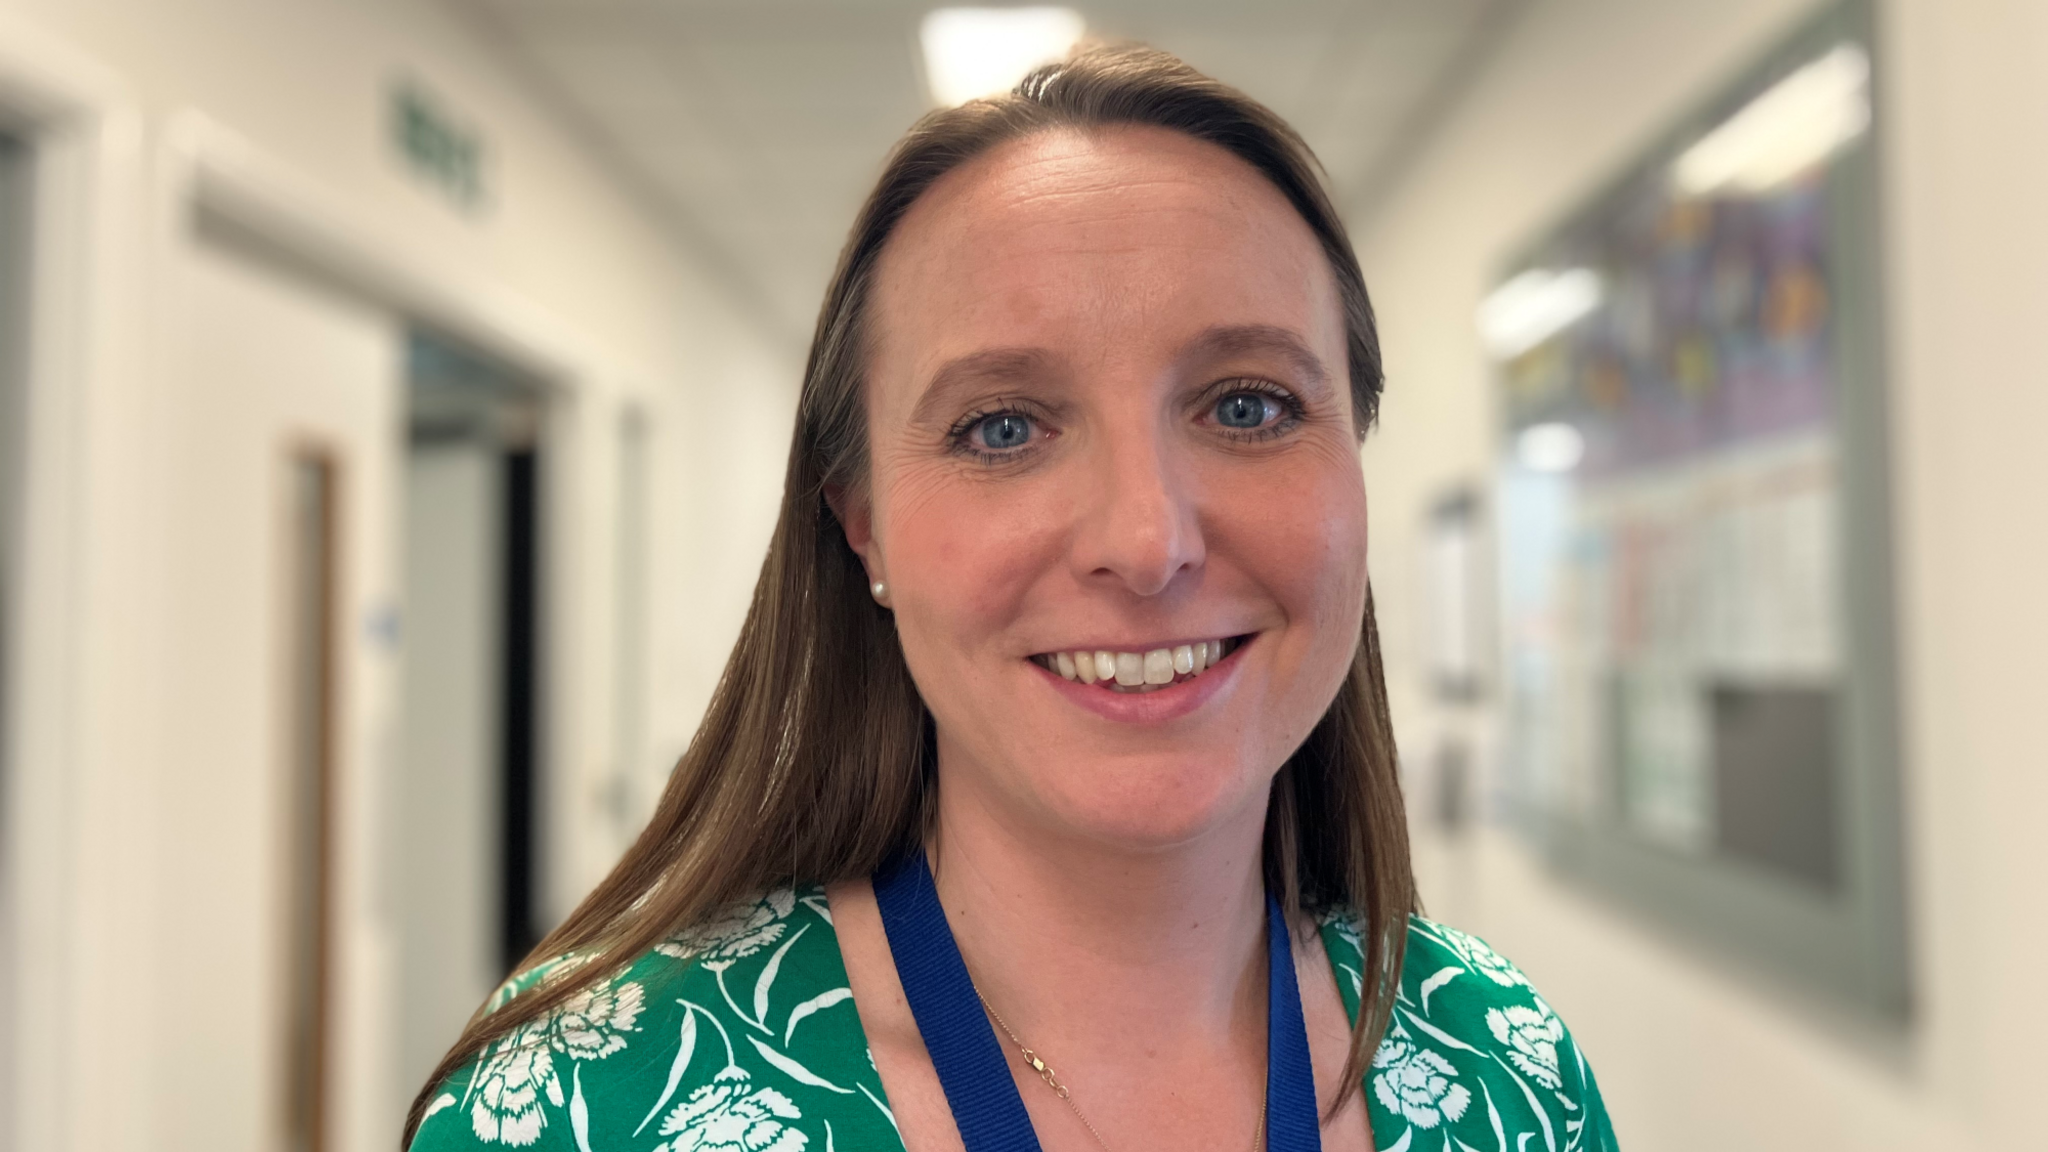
1006	431
1245	410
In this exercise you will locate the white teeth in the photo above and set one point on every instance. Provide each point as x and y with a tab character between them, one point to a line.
1140	671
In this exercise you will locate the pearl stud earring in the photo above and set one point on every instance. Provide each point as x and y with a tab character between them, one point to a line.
881	590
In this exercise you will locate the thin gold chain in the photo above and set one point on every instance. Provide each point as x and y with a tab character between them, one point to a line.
1052	1081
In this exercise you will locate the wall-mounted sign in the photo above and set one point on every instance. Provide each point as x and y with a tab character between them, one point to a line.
437	147
1698	662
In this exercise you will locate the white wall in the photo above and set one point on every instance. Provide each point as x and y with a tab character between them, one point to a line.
1690	1056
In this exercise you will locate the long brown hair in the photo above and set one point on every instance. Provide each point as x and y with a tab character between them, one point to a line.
816	761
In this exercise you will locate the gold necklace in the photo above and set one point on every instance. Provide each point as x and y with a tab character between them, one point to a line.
1052	1081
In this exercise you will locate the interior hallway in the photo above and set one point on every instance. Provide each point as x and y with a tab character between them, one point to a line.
313	312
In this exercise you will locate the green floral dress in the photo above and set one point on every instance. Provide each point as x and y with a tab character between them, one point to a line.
741	1036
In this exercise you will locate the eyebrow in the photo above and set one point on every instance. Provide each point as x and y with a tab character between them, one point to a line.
990	366
1227	340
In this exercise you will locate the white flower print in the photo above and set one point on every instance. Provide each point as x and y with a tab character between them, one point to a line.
519	1071
1417	1081
1532	1036
591	1024
739	931
723	1116
508	1088
1482	959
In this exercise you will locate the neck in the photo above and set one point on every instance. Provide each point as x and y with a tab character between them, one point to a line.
1068	934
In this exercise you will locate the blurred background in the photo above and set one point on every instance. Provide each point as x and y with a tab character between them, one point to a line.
394	397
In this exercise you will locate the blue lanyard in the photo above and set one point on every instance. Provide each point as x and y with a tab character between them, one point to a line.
970	1062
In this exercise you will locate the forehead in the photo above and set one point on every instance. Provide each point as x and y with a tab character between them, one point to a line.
1103	242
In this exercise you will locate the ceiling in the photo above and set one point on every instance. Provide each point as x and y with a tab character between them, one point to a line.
756	126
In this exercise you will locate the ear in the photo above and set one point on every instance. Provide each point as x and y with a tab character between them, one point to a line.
856	519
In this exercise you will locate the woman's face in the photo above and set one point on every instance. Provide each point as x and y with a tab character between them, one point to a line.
1109	414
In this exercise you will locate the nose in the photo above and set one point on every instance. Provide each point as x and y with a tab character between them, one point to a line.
1138	525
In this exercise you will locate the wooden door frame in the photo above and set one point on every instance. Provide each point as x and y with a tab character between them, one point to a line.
299	450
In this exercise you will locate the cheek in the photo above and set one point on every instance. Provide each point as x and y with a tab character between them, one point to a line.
1303	539
1306	551
962	556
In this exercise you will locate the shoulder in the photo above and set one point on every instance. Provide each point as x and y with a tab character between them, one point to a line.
1472	1048
742	1023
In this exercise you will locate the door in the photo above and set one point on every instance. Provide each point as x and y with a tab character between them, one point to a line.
279	650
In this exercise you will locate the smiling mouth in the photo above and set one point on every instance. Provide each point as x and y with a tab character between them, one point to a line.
1135	672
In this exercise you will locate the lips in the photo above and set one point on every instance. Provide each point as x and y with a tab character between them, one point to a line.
1140	671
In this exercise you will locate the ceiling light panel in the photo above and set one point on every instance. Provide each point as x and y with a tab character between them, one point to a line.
973	52
1788	131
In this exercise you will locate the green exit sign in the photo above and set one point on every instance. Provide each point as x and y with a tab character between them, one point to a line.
445	153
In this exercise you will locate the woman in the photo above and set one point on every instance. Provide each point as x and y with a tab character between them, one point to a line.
1048	799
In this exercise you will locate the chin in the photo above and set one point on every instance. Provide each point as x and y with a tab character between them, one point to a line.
1153	803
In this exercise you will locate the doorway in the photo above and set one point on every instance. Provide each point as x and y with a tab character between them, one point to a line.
473	685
